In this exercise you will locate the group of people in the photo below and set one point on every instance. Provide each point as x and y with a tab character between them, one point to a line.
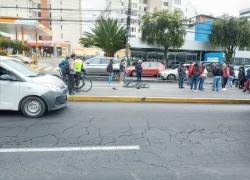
223	75
122	71
71	68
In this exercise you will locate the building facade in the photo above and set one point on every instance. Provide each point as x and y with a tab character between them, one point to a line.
117	9
242	55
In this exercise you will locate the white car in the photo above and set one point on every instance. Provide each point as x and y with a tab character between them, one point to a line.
23	59
25	90
172	73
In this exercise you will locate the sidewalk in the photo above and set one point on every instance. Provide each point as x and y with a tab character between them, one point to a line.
169	90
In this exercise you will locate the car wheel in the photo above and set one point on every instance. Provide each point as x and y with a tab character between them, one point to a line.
133	74
33	107
171	77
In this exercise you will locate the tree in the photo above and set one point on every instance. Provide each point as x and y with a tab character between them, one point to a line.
163	28
107	35
229	33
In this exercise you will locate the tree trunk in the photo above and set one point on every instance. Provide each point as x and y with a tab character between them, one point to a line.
166	55
228	56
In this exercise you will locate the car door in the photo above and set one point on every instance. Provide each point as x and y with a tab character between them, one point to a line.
154	69
9	90
103	65
146	70
91	66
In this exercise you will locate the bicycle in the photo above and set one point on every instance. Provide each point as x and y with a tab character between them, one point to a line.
137	85
84	84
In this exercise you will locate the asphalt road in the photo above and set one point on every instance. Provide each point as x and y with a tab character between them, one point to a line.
176	141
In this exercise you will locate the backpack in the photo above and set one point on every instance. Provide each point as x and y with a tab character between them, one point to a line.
196	71
66	67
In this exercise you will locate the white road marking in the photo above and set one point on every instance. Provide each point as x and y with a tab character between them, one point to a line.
70	149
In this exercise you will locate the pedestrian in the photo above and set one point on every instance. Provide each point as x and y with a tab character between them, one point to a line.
231	76
217	73
241	77
182	75
202	76
247	83
195	77
190	72
110	71
139	70
72	73
225	76
78	63
122	71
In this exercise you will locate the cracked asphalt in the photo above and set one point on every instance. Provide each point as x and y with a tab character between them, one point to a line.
177	142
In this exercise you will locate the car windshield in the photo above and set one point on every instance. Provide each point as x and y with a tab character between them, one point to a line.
174	67
21	68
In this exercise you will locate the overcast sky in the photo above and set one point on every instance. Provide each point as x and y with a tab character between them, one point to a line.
210	7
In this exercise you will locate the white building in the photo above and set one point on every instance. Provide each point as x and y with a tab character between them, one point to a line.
242	54
117	9
66	24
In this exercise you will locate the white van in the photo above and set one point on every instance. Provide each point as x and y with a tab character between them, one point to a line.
22	89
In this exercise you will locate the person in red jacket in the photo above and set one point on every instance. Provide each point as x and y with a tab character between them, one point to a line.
190	71
225	76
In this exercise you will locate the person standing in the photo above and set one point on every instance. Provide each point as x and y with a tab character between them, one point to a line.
217	73
195	77
72	73
139	70
225	76
63	65
78	68
110	71
203	75
247	83
241	77
231	76
122	71
190	72
182	75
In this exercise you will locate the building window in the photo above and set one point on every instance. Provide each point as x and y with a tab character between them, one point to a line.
145	1
248	48
39	14
145	9
177	2
165	3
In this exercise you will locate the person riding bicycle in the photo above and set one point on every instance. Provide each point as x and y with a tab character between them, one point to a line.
78	64
72	73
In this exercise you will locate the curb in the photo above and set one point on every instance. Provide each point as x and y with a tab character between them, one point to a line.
156	99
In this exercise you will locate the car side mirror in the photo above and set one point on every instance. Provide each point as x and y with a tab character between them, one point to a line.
87	63
7	77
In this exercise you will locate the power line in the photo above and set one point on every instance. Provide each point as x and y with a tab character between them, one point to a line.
58	9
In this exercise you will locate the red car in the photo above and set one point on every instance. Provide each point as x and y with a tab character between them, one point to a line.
149	69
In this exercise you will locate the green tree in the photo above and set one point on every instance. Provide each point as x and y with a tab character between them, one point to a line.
229	33
107	35
163	28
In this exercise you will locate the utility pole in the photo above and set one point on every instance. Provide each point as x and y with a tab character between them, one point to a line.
128	31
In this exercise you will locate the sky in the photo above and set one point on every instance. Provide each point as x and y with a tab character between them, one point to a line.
209	7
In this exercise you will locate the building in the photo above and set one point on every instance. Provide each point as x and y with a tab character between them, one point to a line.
117	9
19	20
66	25
242	55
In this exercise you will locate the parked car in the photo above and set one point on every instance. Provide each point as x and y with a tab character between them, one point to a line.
98	65
23	59
149	69
172	73
25	90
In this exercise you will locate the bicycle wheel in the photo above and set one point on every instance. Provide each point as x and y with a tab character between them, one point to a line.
87	85
143	85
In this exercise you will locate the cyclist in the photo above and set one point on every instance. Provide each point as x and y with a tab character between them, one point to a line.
78	63
72	73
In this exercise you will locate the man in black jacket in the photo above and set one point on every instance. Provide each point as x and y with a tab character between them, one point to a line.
110	71
139	70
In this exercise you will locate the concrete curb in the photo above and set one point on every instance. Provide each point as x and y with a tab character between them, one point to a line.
157	99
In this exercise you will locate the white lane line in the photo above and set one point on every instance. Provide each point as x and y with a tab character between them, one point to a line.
69	149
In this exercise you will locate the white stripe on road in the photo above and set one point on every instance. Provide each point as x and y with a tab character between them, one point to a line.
69	149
